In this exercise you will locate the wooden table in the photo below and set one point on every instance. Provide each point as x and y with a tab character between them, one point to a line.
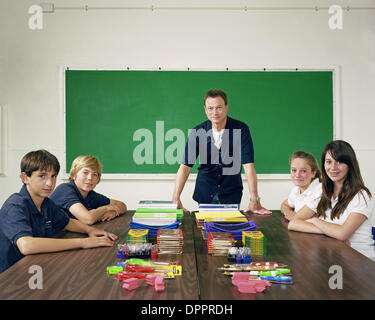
81	274
309	257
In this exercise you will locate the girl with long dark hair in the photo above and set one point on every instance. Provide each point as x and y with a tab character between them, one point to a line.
345	207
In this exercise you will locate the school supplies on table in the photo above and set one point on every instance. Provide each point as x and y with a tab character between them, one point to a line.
269	271
268	264
123	275
218	243
244	285
122	251
241	276
156	281
153	267
260	266
234	228
256	273
137	236
170	266
278	279
155	218
170	241
136	250
143	262
114	269
137	261
179	212
256	241
217	207
239	255
139	250
139	268
157	204
154	252
215	216
153	230
130	284
156	214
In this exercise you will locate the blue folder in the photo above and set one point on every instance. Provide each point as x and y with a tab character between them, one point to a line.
153	230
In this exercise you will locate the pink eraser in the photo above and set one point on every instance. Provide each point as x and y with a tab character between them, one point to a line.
246	289
129	286
241	276
260	288
131	281
159	288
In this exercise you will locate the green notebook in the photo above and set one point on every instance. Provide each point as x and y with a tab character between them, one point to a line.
155	218
179	212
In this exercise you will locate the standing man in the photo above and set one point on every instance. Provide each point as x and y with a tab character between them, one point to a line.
223	144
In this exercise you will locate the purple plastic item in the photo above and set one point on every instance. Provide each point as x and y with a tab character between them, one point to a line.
234	228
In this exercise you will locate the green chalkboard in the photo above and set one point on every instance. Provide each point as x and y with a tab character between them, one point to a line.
138	121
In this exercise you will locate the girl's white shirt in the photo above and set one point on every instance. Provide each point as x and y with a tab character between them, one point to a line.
297	200
361	240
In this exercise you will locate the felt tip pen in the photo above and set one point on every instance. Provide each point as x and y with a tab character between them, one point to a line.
278	278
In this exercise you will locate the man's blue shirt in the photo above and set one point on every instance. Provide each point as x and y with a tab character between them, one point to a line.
219	172
19	217
67	194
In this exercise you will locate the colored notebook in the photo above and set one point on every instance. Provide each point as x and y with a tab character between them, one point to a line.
217	207
234	216
155	218
179	212
157	204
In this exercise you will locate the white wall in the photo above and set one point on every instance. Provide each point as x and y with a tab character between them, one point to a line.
31	64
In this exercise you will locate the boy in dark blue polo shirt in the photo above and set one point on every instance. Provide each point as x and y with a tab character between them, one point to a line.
78	198
29	219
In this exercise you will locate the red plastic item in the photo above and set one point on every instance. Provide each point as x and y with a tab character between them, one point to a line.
137	268
128	275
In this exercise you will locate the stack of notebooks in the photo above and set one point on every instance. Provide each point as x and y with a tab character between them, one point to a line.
159	206
155	218
155	214
218	243
170	241
218	213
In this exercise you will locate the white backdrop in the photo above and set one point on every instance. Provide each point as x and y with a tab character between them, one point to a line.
31	63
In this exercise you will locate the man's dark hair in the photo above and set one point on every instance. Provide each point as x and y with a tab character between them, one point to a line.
216	93
39	160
